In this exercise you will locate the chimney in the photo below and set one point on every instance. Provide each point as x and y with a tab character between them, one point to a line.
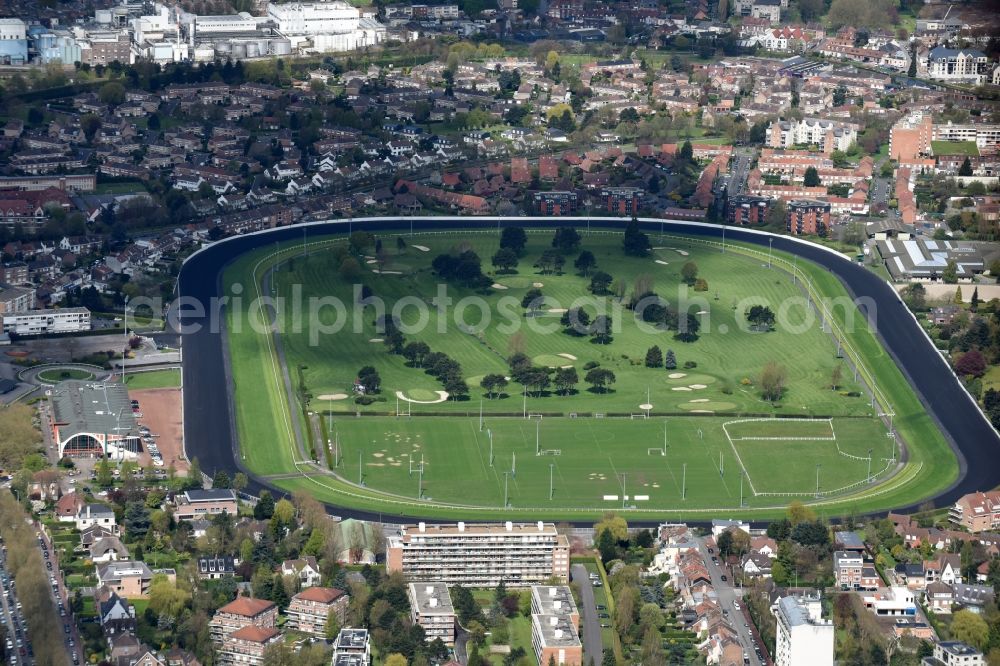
422	527
541	526
461	526
509	526
429	589
434	602
558	634
552	591
557	604
553	620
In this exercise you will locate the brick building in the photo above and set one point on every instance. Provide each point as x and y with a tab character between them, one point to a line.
911	137
621	200
748	210
977	512
310	608
556	203
807	216
246	646
242	612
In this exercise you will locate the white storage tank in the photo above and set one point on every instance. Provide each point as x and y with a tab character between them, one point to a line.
252	51
281	47
239	50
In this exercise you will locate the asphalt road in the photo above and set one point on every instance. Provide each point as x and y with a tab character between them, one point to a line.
727	594
593	649
209	425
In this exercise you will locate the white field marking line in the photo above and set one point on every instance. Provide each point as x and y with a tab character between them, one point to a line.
737	454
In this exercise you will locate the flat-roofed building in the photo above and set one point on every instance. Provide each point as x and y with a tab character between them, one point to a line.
807	216
41	322
194	504
480	554
954	653
16	299
430	607
93	419
554	637
802	636
352	648
555	600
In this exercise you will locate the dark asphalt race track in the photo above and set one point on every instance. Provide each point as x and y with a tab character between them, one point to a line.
210	430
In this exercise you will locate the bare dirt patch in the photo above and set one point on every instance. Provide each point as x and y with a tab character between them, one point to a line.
161	413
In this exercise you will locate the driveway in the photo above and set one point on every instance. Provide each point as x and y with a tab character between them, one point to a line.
593	649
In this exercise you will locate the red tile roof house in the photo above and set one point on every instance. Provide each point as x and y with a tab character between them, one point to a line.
242	612
310	608
977	512
246	646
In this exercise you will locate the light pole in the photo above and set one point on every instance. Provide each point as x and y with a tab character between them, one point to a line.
817	479
551	467
623	490
505	502
125	348
684	475
490	434
770	241
869	465
480	415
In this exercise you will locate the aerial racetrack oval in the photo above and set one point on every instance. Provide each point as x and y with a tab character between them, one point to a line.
247	406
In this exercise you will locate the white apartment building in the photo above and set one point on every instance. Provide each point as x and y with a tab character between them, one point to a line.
226	23
12	28
802	636
554	600
480	554
984	134
830	135
40	322
968	65
430	607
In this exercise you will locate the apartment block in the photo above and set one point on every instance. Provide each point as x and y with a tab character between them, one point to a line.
310	609
748	210
807	216
430	607
554	637
910	138
246	646
977	512
829	135
555	600
802	636
621	200
242	612
352	648
847	569
556	203
480	554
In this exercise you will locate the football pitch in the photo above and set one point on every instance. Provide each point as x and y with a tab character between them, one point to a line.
599	463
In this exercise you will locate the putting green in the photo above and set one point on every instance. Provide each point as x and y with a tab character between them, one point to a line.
421	394
474	381
711	406
519	281
550	361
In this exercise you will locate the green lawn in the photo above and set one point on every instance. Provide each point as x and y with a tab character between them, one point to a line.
151	379
56	375
728	360
955	148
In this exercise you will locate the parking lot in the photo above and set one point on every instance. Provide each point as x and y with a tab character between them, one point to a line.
161	428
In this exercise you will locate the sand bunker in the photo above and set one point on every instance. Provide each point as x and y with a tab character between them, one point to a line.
699	400
662	263
676	375
537	285
379	455
680	388
376	340
569	356
702	411
565	367
497	285
442	396
698	386
422	248
701	312
371	261
681	252
333	396
375	270
557	310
